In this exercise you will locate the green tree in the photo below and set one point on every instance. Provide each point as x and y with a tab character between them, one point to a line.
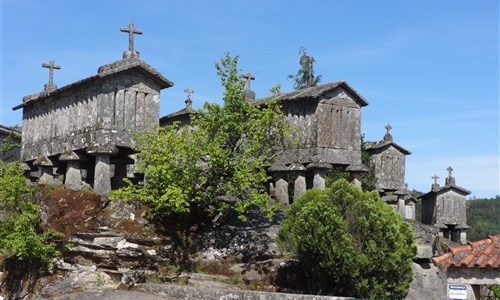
220	155
350	243
305	76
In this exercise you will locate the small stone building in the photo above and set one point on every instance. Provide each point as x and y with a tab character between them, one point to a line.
470	266
82	132
327	128
445	208
9	137
388	160
183	116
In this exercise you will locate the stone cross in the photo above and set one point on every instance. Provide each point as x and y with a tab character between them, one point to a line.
188	101
435	177
450	169
131	31
388	136
450	180
51	68
188	92
248	76
388	127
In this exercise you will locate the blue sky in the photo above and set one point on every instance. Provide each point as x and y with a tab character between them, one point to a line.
429	68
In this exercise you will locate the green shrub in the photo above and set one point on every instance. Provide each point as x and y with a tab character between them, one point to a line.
22	242
350	243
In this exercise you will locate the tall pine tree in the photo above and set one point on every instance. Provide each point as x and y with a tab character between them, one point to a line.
305	76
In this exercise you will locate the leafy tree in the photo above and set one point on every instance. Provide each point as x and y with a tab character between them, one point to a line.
305	76
221	154
350	243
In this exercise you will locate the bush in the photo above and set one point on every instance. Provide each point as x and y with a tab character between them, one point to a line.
22	242
350	243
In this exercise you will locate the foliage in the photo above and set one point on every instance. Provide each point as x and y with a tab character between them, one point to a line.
350	243
305	76
8	145
221	154
482	217
276	90
21	239
368	179
496	291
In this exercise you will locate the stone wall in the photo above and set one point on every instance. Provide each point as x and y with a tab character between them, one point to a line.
389	166
450	208
99	111
187	292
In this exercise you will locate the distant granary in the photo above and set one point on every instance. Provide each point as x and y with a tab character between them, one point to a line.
389	160
444	208
83	131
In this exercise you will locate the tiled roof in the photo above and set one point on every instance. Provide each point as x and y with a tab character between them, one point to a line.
481	254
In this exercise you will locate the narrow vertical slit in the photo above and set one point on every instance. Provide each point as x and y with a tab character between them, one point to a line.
135	108
114	107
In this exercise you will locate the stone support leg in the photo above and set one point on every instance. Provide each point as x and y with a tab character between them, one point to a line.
73	176
102	174
281	189
299	185
319	179
355	178
46	176
463	236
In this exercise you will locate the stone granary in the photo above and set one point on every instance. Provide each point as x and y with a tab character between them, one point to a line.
327	127
389	160
10	143
83	131
445	208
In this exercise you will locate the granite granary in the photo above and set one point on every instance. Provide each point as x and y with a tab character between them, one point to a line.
83	129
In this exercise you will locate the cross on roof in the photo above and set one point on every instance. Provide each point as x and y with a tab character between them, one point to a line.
435	177
51	68
248	76
189	92
450	169
131	31
388	127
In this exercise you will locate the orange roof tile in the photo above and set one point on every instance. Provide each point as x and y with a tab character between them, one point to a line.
480	254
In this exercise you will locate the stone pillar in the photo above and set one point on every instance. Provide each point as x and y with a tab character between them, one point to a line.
318	169
299	187
102	169
47	167
73	175
319	179
102	175
356	173
281	189
463	236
